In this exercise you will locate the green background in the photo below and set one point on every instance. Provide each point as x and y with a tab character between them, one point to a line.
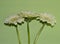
10	7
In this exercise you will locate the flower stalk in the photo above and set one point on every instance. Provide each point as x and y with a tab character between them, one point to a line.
28	31
18	36
38	34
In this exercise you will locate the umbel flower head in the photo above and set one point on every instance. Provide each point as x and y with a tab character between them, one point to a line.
46	18
28	15
14	20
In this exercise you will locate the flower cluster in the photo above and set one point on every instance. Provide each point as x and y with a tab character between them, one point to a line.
47	18
14	20
23	15
28	15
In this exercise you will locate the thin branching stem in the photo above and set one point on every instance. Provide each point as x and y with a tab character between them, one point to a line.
38	34
18	36
28	31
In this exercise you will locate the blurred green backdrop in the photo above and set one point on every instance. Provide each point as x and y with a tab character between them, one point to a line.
48	36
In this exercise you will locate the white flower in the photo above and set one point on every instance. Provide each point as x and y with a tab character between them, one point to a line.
15	19
28	14
49	19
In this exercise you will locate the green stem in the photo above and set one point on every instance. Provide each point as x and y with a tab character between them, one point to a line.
38	34
28	32
18	36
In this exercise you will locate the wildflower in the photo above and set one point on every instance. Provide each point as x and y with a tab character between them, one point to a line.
47	18
28	15
15	19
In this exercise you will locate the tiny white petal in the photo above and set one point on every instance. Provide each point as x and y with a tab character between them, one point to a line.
15	23
20	20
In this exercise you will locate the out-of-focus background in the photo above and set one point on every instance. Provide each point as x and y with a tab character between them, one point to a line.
10	7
